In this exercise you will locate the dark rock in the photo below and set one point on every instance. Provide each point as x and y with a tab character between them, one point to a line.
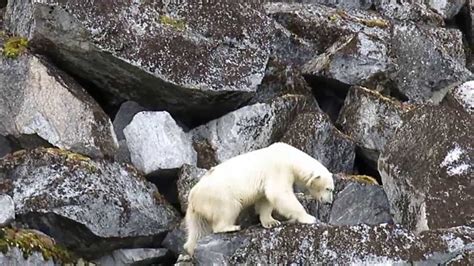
461	96
197	60
124	116
7	210
426	168
188	176
40	102
404	10
426	62
157	143
314	134
136	257
342	4
251	127
89	206
5	147
175	239
306	244
3	3
370	119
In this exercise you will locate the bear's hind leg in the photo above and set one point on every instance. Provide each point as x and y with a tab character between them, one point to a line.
264	210
225	220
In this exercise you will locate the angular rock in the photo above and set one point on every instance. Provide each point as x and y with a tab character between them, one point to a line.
197	60
314	134
426	168
38	100
370	119
447	8
358	59
7	210
188	176
5	147
175	239
417	78
137	256
354	4
157	143
92	207
405	10
305	244
250	127
15	256
461	96
324	25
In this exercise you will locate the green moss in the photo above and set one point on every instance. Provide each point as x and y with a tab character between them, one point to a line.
176	24
28	241
364	179
14	46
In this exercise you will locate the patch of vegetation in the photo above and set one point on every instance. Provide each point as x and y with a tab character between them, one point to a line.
364	179
28	241
14	47
177	24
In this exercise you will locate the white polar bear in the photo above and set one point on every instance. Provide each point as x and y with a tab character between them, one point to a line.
263	178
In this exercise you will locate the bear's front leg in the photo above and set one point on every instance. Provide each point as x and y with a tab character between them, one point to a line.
286	203
264	210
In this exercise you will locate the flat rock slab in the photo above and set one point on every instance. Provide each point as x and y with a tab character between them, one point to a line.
185	57
90	206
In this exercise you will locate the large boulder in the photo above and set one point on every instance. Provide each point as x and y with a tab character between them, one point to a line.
308	244
405	10
136	256
370	119
249	128
417	78
447	8
7	210
157	143
188	176
89	206
313	133
426	168
184	57
37	100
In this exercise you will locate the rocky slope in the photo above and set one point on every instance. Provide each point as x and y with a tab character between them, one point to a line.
110	111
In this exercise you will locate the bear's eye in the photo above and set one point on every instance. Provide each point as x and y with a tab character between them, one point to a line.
328	189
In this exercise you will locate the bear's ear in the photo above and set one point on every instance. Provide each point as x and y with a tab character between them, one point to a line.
312	179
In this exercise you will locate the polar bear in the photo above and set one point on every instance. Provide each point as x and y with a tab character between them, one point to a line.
263	178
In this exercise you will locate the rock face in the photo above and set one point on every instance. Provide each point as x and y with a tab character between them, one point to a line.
139	256
306	244
171	56
313	133
426	169
5	146
370	119
250	128
7	210
90	206
188	177
38	100
157	143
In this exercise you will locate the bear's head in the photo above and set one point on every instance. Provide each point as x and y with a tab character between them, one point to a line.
321	187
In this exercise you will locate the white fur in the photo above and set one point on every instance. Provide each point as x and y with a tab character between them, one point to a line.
263	178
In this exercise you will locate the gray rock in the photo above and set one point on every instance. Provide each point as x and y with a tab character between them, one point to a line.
188	176
92	207
358	59
136	256
426	64
426	168
447	8
124	116
405	10
307	244
37	99
354	4
157	143
185	57
5	147
251	127
360	203
370	119
175	239
7	210
314	134
14	256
